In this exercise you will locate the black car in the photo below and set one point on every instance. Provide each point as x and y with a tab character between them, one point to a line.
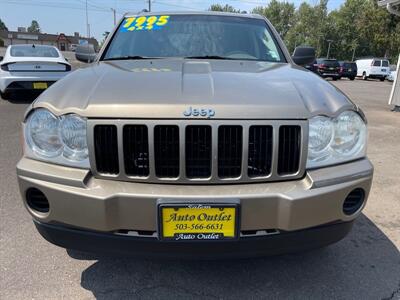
328	68
313	67
348	69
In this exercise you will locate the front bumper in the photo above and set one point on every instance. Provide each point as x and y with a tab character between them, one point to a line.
80	200
378	76
285	242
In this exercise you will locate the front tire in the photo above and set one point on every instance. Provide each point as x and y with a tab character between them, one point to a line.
364	76
5	95
352	78
382	79
334	78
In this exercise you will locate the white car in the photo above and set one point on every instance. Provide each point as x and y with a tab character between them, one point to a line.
31	68
392	76
373	68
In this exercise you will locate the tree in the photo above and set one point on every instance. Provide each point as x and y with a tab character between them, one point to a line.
226	8
105	35
365	29
280	14
2	25
312	28
34	28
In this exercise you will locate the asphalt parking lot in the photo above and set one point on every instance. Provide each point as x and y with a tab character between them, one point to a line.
365	265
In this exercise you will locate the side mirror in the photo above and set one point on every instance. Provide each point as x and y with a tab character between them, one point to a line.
85	53
1	58
303	55
66	59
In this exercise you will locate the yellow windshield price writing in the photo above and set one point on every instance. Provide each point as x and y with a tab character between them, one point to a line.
144	23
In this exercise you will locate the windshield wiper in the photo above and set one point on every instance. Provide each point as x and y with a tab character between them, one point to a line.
210	57
129	57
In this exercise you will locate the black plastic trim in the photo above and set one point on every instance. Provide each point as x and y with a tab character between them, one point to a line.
109	243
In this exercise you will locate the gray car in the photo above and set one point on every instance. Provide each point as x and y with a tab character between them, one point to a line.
85	53
194	135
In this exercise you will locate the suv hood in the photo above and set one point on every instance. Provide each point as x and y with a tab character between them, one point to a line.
165	88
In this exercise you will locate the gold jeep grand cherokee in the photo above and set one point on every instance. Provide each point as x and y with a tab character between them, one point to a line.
194	135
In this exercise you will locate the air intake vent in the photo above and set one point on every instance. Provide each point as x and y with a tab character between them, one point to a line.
353	201
229	151
106	149
198	151
289	149
136	150
166	151
260	151
36	200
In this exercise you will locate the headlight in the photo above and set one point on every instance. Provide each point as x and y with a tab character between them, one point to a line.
320	137
60	140
73	135
42	133
336	140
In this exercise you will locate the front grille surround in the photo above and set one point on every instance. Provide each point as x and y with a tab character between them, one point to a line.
183	178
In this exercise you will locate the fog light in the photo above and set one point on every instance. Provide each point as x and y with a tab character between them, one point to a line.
353	201
37	201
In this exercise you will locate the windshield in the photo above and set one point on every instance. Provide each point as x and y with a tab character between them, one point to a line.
200	36
33	51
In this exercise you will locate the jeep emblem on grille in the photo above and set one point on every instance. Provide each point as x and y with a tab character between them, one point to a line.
199	112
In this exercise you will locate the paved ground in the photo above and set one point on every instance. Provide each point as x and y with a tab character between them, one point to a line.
365	265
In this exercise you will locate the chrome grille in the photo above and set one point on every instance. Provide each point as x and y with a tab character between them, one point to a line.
198	151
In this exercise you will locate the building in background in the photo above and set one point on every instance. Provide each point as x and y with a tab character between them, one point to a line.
61	41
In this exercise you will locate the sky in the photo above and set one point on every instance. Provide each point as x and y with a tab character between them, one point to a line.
69	16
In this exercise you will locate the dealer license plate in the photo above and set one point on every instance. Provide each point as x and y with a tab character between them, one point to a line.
185	222
40	85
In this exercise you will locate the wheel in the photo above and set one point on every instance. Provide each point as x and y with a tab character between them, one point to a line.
334	78
364	76
352	78
5	95
382	79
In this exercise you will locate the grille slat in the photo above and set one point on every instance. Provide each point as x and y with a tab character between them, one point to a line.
230	143
166	151
136	150
106	149
260	151
198	151
289	149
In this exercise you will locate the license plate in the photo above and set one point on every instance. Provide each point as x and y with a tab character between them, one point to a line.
40	85
350	70
331	68
188	222
383	70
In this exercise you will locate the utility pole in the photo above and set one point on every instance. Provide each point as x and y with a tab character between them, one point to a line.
149	4
329	47
354	53
115	18
87	22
